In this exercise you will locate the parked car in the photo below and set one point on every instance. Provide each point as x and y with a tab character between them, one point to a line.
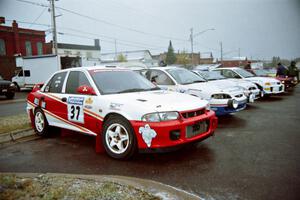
288	82
267	85
122	108
251	91
7	88
223	99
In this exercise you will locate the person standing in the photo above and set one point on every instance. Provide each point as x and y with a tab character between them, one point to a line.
281	70
248	66
293	71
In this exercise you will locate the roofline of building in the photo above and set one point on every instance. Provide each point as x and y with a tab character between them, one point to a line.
77	46
121	52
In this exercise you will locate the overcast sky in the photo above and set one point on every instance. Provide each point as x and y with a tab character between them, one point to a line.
260	28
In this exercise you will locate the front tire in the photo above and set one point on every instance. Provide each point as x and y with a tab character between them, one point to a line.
41	125
118	138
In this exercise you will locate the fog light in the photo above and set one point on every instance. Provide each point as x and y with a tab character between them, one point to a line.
175	135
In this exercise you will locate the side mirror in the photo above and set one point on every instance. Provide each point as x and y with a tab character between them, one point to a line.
85	89
37	87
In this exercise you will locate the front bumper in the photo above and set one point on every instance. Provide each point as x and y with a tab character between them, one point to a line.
164	130
273	89
225	109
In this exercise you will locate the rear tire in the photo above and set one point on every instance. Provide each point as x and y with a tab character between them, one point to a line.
10	95
41	125
119	138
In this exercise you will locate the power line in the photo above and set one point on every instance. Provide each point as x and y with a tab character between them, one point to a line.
105	22
38	17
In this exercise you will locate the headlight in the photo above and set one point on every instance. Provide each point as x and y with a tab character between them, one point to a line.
160	116
233	103
221	96
12	85
282	82
207	106
247	92
267	83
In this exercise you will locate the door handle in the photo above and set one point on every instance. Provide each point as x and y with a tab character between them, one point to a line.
64	99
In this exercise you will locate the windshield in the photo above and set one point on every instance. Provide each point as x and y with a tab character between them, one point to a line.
260	72
113	82
244	73
184	76
211	75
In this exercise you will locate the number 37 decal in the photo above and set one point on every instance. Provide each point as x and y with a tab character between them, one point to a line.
75	109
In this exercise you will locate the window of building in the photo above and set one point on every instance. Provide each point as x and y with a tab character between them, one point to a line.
2	47
28	48
75	80
89	54
39	47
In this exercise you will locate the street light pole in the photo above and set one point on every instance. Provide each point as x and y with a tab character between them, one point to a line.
192	39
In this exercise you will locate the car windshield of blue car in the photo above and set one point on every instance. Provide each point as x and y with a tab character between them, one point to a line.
184	76
244	73
212	75
116	82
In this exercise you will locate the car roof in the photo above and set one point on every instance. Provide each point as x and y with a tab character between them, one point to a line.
167	67
228	68
97	67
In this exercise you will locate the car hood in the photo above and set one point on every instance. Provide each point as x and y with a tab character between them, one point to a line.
262	79
157	101
213	87
243	83
4	82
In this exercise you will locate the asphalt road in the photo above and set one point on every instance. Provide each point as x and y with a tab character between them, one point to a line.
254	155
14	106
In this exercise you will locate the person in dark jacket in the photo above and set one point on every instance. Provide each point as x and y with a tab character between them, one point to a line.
293	71
247	66
281	70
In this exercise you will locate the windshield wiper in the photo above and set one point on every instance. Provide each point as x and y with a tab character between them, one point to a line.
155	88
132	90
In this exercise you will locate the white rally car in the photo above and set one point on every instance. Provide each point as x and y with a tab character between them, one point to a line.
121	108
251	90
267	85
223	100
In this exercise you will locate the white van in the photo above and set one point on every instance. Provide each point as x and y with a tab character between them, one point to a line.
35	69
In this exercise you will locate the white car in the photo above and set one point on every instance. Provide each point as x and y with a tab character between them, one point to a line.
250	89
267	85
223	100
124	110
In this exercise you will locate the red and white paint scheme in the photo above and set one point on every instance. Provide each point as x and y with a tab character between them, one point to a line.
124	110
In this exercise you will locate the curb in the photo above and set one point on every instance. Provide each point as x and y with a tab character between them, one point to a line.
15	135
155	188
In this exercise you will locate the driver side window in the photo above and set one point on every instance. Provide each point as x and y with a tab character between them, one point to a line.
159	77
229	74
76	79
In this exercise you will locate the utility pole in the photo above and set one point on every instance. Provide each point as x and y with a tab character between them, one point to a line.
54	34
221	51
192	45
239	56
116	52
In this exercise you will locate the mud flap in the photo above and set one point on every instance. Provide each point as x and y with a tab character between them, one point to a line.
99	145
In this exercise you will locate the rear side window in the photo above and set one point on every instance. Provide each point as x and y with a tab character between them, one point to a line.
27	73
75	80
56	83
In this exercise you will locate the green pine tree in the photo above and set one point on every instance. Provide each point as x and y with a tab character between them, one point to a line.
171	58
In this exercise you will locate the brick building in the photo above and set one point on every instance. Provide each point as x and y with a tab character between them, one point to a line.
18	41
